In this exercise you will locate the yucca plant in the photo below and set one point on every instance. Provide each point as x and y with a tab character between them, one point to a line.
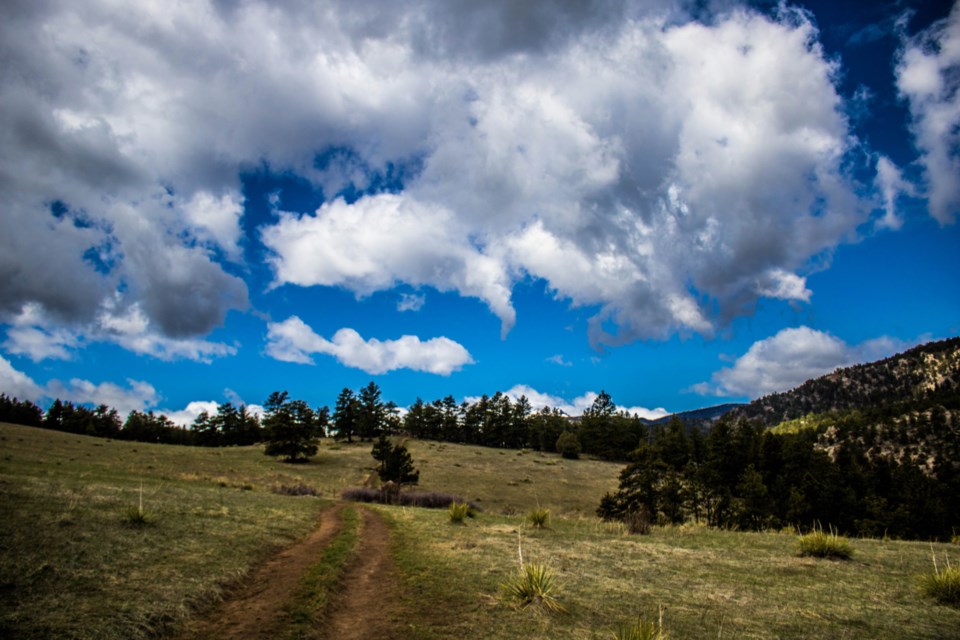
943	585
539	517
458	512
136	516
533	584
642	630
821	544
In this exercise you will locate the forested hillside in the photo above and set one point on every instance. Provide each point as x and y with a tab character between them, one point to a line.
926	372
873	449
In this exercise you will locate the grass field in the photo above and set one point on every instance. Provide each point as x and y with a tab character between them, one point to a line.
75	564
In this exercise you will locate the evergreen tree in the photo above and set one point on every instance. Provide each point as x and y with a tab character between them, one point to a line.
370	412
346	415
396	463
290	428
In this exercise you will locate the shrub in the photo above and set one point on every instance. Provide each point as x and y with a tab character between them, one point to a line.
458	512
539	517
820	544
642	630
424	499
299	489
943	586
532	584
638	521
568	445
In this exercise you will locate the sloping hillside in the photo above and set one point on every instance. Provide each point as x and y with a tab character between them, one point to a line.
925	375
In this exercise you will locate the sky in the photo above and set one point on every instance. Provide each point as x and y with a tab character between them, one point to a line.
683	203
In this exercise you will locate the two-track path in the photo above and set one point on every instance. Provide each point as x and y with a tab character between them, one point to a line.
365	604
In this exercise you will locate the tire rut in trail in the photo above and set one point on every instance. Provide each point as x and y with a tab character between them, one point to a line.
367	605
255	609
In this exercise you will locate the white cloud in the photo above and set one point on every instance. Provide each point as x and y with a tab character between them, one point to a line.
575	407
411	302
293	341
27	336
34	334
138	395
660	173
928	76
558	359
659	169
217	219
382	241
17	384
185	417
131	329
891	184
790	358
780	284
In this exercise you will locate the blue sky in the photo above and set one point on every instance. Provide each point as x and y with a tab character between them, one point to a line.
681	203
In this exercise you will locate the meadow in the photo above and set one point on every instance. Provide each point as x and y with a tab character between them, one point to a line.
81	558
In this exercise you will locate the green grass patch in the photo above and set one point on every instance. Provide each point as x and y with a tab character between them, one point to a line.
459	511
87	555
943	585
71	567
641	629
710	583
538	518
825	544
313	594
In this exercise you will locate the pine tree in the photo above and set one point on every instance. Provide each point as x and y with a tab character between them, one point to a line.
289	428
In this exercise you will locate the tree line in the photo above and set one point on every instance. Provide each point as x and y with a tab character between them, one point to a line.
848	472
889	470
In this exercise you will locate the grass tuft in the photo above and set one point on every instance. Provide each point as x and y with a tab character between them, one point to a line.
642	630
538	518
458	512
943	585
137	517
821	544
532	584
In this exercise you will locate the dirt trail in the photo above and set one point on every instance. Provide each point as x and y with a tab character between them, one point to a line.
366	604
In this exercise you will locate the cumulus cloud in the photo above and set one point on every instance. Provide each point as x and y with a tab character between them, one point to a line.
660	173
380	242
928	76
137	395
575	407
558	359
17	384
131	329
185	417
293	341
663	171
34	335
791	357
